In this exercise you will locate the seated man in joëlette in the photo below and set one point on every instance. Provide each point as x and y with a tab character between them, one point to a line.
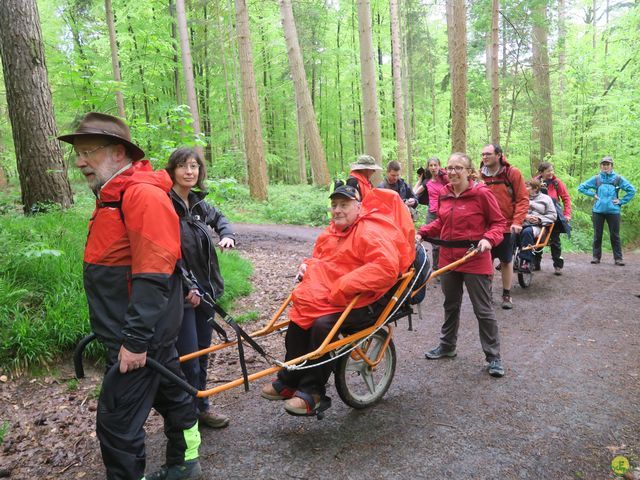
362	251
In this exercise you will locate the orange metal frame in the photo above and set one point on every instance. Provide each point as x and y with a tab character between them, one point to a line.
327	346
545	233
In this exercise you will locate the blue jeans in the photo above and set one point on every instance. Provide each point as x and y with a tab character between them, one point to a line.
195	334
613	220
525	238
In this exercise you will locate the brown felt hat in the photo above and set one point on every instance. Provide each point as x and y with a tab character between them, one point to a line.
104	125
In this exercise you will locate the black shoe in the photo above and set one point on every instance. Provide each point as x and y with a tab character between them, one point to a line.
495	368
595	260
536	267
619	262
440	352
189	470
558	271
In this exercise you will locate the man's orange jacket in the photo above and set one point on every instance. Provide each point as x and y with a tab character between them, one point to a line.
365	259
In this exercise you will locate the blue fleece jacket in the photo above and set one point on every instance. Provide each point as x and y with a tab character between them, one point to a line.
607	192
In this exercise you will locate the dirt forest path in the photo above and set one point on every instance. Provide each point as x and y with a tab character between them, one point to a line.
568	405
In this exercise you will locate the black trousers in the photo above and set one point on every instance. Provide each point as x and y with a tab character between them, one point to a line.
123	407
299	342
556	249
613	221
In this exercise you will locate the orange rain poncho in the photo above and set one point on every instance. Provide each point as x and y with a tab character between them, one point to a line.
367	258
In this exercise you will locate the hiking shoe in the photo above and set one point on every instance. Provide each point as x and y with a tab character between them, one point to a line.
595	260
558	271
213	420
440	352
507	303
189	470
495	368
619	262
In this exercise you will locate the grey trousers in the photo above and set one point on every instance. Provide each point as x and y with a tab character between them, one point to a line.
479	289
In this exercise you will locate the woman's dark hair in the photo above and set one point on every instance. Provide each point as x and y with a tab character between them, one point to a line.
179	157
544	166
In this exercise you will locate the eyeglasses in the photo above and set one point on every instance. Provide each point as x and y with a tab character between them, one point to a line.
87	153
457	168
189	166
487	154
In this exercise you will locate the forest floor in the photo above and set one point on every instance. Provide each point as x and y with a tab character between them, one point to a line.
566	408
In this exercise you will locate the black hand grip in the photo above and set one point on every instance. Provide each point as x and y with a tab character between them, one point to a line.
77	354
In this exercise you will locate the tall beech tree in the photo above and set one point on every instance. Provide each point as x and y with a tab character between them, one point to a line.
42	172
542	116
187	69
307	115
372	139
398	98
457	38
254	146
115	60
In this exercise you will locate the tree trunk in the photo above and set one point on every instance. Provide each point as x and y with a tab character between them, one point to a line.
562	48
542	124
42	172
495	84
229	101
176	72
338	89
115	61
457	39
145	95
372	140
398	98
307	113
256	164
187	70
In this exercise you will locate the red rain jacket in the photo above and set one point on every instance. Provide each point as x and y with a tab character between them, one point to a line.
367	258
509	187
134	293
364	184
472	216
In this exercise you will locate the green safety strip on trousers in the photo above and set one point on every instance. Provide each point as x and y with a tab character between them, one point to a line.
192	439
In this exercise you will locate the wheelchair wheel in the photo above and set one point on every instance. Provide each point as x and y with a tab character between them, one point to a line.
360	385
524	279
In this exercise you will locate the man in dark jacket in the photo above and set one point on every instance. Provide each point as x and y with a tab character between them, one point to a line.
393	181
135	300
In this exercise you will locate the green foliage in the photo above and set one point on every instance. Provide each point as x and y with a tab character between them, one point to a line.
43	310
292	204
4	428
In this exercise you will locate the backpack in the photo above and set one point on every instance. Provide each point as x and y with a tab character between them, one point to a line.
422	270
615	183
423	197
503	179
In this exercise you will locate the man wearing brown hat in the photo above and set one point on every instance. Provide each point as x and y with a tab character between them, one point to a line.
135	300
361	172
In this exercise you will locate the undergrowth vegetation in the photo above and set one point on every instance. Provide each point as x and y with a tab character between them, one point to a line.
43	309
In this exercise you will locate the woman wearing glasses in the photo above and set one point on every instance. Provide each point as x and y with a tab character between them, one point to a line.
186	169
468	216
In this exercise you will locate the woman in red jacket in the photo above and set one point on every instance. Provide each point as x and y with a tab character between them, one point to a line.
468	215
557	190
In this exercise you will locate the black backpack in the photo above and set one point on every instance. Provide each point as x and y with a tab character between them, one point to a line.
422	269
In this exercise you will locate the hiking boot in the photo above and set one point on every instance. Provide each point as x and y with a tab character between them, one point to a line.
595	260
189	470
507	303
619	262
558	271
495	368
440	352
213	420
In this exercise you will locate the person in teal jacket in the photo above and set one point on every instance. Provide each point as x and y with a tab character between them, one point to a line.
605	188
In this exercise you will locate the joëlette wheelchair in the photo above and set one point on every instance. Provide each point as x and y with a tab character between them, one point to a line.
525	275
365	361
